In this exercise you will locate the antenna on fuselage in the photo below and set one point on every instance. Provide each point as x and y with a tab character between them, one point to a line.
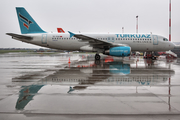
137	24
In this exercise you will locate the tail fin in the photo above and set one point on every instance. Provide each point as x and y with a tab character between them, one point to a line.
60	30
26	22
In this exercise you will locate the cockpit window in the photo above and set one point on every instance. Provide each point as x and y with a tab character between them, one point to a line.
164	39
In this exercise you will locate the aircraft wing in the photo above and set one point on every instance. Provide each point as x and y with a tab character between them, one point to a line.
96	43
16	36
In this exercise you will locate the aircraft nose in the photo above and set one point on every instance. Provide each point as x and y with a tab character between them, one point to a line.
171	45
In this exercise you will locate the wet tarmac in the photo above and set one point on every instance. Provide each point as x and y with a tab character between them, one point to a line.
37	86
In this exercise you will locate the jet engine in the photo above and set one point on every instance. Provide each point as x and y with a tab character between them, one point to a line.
121	51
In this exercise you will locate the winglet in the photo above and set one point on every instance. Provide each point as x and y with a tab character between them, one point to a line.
71	34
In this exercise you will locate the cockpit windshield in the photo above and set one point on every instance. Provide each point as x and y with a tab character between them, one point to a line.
165	39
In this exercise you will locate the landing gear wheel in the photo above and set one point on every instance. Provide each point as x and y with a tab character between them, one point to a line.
153	58
97	57
97	62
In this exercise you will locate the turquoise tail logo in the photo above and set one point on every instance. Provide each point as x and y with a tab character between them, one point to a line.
25	21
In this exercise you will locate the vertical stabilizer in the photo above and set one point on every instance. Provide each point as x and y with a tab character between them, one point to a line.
60	30
26	22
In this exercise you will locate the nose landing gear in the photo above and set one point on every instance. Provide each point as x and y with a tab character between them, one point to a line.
150	55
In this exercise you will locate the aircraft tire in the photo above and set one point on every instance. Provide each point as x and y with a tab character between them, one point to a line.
97	57
97	62
153	58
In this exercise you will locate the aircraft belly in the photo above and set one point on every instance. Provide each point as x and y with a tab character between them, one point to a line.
65	45
141	47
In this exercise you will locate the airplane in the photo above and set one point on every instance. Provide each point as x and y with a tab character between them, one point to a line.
118	45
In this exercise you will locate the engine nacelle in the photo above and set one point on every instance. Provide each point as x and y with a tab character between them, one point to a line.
122	51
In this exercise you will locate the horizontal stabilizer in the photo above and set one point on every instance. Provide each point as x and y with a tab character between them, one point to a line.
16	36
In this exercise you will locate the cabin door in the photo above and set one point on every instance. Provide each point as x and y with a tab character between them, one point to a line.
155	40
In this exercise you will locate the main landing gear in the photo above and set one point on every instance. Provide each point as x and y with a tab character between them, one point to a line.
150	55
97	57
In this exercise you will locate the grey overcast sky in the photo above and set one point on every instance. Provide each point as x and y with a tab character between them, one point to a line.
101	16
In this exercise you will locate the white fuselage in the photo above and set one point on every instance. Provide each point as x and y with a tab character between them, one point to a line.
137	42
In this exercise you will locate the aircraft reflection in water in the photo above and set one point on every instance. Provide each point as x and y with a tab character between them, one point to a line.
101	73
110	73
